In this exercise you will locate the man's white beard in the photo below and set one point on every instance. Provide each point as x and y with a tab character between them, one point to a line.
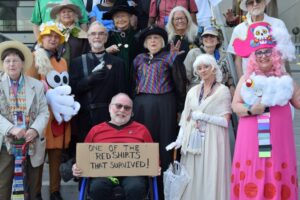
257	12
97	45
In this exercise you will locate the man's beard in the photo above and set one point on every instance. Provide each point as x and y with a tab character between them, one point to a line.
97	45
259	11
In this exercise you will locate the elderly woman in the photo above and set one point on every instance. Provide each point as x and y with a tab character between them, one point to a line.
51	69
181	28
203	135
23	118
210	43
155	102
66	15
121	41
264	164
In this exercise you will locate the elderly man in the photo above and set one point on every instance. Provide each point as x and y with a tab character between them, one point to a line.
119	129
255	13
95	78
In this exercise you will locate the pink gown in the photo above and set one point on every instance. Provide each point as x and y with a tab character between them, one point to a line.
272	178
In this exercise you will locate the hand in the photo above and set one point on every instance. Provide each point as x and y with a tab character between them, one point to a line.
30	135
258	108
76	171
231	18
97	76
174	145
112	49
17	132
176	48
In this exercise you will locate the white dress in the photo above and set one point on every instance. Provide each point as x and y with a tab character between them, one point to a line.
210	167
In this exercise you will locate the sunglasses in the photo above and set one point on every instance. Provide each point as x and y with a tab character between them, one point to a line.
261	53
120	106
251	2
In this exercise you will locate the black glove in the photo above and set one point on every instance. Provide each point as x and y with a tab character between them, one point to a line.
98	76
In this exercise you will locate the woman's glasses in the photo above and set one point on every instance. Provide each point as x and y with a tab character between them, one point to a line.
120	106
261	53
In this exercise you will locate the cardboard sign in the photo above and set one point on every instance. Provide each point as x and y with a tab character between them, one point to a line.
117	159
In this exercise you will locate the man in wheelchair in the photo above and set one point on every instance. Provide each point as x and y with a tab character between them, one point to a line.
120	129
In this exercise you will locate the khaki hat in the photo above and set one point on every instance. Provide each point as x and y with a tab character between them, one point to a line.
28	57
47	30
243	5
65	4
210	31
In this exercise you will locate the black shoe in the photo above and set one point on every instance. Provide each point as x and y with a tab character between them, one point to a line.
55	196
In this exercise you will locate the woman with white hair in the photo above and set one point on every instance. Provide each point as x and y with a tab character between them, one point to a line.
180	27
203	135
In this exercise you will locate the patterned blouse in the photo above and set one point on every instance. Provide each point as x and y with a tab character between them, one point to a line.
153	72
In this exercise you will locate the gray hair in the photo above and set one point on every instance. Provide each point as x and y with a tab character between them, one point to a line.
97	23
192	29
206	59
113	99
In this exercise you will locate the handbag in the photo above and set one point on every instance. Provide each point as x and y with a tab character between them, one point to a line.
175	180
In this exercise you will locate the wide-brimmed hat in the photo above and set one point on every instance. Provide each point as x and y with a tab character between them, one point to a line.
46	30
65	4
210	31
153	30
243	5
259	35
124	7
28	58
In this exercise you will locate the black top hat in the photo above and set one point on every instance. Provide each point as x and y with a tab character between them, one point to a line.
153	30
117	8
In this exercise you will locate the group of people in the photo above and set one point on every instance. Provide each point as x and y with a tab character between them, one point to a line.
111	82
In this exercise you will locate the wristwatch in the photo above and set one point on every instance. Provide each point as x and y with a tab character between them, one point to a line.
249	112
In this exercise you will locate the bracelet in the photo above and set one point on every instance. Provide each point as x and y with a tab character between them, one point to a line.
248	109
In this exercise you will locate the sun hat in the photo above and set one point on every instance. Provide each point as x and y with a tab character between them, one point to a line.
243	5
28	57
65	4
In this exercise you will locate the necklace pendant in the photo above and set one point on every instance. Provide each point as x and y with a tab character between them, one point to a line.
119	45
126	46
122	34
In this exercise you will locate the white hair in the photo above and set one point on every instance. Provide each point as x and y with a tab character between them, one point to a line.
161	38
206	59
192	29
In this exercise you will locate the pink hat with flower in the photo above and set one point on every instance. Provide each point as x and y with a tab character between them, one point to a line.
258	37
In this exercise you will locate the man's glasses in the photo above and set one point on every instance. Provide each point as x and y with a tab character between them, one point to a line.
261	53
251	2
120	106
94	34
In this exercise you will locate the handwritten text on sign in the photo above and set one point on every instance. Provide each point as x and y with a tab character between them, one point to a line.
118	159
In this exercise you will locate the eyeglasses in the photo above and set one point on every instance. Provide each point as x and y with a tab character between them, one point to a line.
183	19
251	2
94	34
11	61
261	53
120	106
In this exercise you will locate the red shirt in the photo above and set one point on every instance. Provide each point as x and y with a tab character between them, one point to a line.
133	132
166	6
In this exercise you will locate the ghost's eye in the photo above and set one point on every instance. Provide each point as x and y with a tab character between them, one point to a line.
265	31
53	79
65	78
257	33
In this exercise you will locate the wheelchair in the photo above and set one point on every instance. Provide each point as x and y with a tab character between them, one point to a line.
118	193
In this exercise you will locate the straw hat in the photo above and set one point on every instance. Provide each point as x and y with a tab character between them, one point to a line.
65	4
19	46
47	30
243	5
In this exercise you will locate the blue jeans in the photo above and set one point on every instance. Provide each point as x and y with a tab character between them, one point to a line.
134	188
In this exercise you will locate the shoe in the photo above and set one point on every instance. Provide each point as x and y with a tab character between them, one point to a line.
55	196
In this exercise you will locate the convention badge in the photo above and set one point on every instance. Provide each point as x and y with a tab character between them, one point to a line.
166	19
19	119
